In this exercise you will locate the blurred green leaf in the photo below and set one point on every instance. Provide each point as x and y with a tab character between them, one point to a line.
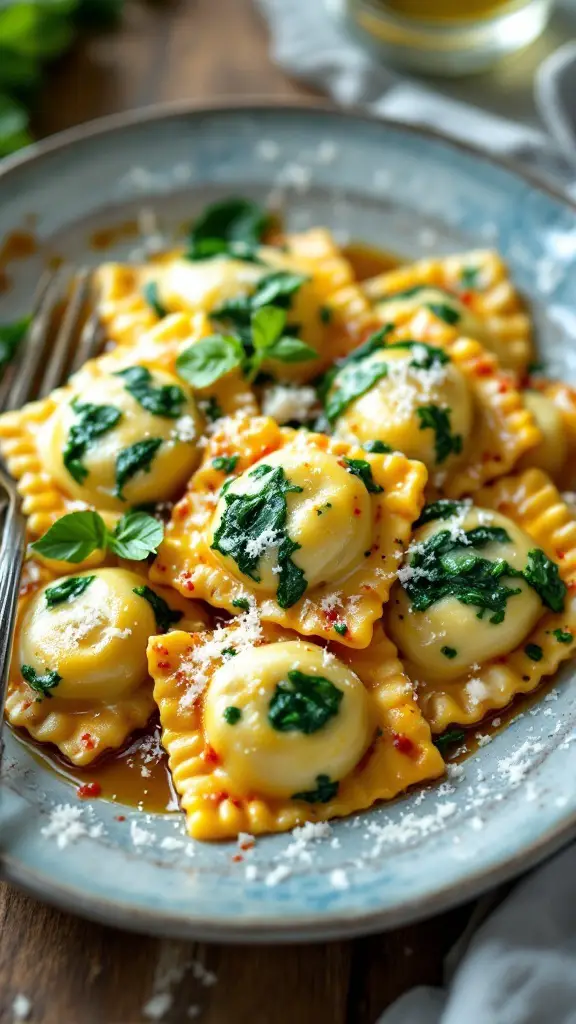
13	126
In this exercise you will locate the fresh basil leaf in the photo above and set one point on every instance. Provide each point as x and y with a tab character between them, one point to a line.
432	417
303	703
10	337
235	220
93	422
43	684
209	359
324	792
136	535
251	523
267	325
137	458
152	296
276	289
166	400
233	227
165	615
363	470
73	537
67	590
291	350
544	577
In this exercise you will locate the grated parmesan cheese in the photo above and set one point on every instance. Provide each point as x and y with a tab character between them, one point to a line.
283	403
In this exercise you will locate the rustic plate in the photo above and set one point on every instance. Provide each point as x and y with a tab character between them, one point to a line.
411	192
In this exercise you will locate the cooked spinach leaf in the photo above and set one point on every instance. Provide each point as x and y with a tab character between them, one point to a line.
251	523
442	509
93	422
43	684
432	417
303	703
324	792
225	463
363	470
544	577
134	459
67	590
166	400
165	615
152	296
10	337
449	739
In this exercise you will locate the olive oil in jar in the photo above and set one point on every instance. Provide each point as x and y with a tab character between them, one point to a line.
449	37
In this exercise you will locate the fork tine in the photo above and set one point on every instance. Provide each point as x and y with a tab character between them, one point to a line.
67	334
11	559
28	360
89	343
12	371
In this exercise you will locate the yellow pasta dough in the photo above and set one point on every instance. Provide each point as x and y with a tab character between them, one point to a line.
79	676
282	731
308	528
473	634
553	406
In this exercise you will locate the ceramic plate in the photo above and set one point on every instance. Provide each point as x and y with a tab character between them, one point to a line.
515	801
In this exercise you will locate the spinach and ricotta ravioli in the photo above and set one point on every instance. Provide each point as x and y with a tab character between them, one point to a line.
265	731
79	677
483	607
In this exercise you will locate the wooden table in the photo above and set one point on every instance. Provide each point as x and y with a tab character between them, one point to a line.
75	972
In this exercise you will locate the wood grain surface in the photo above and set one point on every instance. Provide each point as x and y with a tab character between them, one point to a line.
76	972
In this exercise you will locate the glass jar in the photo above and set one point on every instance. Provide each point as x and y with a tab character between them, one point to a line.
449	37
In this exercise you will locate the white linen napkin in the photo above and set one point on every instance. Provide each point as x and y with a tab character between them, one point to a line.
519	966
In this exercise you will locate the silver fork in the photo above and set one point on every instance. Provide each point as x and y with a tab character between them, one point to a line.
37	368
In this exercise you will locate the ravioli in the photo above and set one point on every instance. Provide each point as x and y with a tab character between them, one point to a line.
445	402
108	440
265	731
472	292
484	607
553	406
328	307
309	529
79	676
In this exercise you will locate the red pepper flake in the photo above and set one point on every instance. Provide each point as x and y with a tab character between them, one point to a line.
160	566
357	511
163	664
235	801
87	741
209	755
181	510
237	858
160	649
247	844
89	789
560	555
484	368
467	298
403	744
332	615
120	817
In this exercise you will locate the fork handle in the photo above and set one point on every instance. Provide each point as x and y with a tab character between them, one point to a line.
11	559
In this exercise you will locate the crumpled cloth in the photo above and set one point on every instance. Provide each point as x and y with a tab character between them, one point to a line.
519	965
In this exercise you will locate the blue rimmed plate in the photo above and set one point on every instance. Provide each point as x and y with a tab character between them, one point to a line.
513	802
